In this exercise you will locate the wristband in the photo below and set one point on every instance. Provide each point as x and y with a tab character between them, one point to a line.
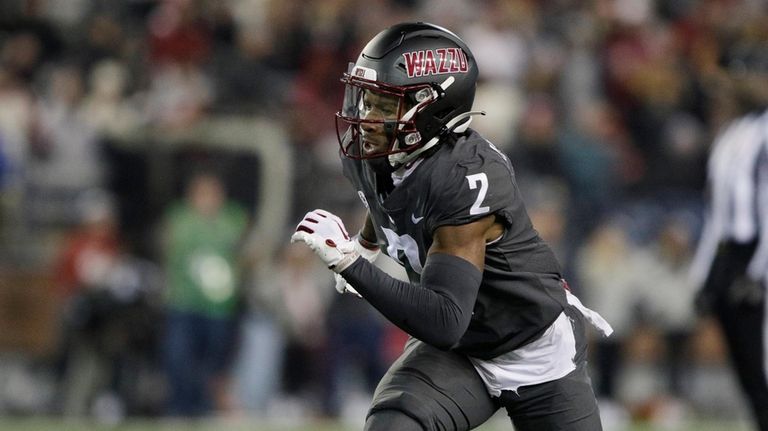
370	245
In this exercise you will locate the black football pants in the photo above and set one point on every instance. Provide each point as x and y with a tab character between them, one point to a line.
430	389
742	316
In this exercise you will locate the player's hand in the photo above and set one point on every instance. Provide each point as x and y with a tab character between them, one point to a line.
326	235
368	251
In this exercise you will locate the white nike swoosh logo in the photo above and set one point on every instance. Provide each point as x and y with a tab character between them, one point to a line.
415	219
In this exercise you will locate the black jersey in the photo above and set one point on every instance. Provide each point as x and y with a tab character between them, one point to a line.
521	293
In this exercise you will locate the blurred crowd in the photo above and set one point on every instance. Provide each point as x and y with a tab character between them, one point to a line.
111	176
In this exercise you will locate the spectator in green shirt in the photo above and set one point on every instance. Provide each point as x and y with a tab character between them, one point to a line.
203	237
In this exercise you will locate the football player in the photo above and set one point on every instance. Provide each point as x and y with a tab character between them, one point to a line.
491	318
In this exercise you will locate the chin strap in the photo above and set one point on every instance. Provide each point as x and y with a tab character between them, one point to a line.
399	159
461	128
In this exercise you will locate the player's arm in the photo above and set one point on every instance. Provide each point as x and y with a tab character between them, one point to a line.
367	240
368	232
466	241
439	311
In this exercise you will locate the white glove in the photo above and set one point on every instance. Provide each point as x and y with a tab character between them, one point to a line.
368	251
325	234
343	287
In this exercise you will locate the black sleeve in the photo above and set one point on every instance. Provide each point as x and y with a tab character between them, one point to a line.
437	312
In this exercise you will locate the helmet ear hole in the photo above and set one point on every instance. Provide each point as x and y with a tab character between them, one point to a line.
422	95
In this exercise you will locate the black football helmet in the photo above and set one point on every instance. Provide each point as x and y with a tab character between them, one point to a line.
425	74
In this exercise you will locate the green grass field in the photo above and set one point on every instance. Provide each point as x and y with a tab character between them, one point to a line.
43	424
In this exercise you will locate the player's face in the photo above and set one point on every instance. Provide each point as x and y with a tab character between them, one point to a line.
377	107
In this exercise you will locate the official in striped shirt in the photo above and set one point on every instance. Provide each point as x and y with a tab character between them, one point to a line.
731	262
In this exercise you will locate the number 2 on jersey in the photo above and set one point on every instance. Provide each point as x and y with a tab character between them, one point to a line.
473	180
